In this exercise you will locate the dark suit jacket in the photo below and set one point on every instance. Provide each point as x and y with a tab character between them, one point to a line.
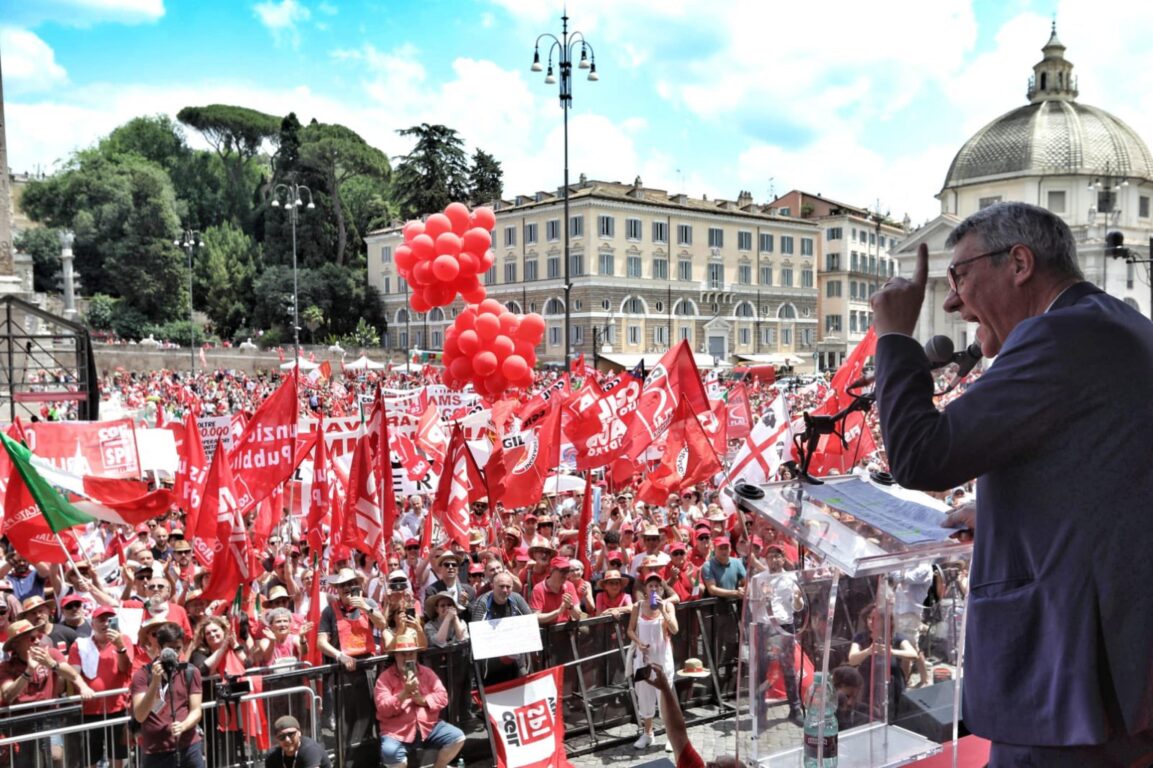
1059	433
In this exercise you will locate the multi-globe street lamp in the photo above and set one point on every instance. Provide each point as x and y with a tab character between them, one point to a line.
292	201
564	47
190	241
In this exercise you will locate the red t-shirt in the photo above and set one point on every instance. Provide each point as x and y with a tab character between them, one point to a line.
544	600
108	677
41	687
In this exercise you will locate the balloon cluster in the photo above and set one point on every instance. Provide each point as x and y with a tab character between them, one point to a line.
445	254
491	348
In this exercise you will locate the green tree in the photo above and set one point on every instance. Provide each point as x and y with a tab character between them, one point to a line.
312	318
433	174
224	273
43	245
99	313
485	178
368	207
338	154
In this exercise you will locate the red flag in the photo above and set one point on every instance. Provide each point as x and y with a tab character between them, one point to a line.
312	652
160	415
715	423
378	426
263	457
363	524
450	506
832	457
24	525
850	370
585	524
319	493
536	408
689	456
494	474
599	419
430	437
674	377
227	559
740	414
578	366
191	473
529	457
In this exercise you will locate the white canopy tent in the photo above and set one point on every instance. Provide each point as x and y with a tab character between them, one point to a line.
362	363
304	365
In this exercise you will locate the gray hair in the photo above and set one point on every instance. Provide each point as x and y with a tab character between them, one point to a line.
1003	225
275	613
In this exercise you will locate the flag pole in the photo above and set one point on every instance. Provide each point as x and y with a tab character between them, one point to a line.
64	549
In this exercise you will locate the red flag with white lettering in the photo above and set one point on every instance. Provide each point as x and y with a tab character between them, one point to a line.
363	525
191	473
739	412
528	721
319	495
599	419
674	377
450	505
430	437
585	524
382	439
225	553
263	457
529	457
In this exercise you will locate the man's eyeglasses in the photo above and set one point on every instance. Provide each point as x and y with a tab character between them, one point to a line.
952	269
398	586
449	566
74	606
287	735
157	587
413	548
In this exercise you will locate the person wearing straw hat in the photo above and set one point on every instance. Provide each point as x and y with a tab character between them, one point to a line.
651	539
409	698
448	566
445	626
613	599
652	623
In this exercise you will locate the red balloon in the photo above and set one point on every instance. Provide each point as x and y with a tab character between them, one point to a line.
496	383
418	303
492	307
404	258
436	225
484	363
412	229
503	346
486	260
466	319
476	240
446	268
468	263
525	349
422	274
531	328
487	327
449	380
514	368
461	368
509	322
469	343
475	297
458	214
448	243
422	247
484	217
439	294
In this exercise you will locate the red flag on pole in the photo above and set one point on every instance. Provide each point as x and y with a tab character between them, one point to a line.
529	457
319	495
674	377
228	565
263	457
363	526
450	506
585	524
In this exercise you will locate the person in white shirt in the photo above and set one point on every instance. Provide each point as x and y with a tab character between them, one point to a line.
775	597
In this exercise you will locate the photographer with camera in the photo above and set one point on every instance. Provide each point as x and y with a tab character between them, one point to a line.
166	698
409	698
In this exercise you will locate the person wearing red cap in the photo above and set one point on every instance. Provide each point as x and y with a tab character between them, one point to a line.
105	661
681	576
723	575
702	544
555	599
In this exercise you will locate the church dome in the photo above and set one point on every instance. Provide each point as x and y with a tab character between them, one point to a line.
1053	135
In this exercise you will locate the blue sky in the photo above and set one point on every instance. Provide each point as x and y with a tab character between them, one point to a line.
862	102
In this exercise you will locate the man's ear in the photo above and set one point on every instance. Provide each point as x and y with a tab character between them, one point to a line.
1023	262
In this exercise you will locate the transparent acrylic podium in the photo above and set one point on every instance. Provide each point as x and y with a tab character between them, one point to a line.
863	545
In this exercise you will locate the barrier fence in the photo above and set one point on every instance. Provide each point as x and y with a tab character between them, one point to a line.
335	706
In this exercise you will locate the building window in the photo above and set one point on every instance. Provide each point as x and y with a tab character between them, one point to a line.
510	272
577	334
744	241
576	264
832	323
387	284
769	337
552	266
660	269
530	271
660	232
833	289
606	226
852	322
806	246
437	340
686	334
661	336
633	306
716	276
401	285
745	274
509	237
854	259
402	339
634	334
786	212
554	336
744	336
633	229
881	241
834	233
552	230
1143	206
807	337
633	265
716	237
786	337
807	277
832	262
766	274
576	226
766	244
872	238
530	234
386	254
985	202
684	234
786	244
786	277
606	263
684	270
745	309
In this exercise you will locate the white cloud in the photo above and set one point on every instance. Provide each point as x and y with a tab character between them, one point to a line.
29	63
281	19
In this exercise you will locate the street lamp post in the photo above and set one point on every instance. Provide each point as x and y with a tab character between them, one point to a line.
563	47
190	241
293	202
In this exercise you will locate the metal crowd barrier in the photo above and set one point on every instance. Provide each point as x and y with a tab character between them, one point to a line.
336	707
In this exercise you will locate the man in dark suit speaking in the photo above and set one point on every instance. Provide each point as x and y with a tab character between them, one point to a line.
1059	434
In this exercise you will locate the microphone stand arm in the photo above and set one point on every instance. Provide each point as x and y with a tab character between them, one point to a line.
818	426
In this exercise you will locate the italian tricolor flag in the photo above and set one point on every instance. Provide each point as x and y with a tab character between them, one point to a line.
124	502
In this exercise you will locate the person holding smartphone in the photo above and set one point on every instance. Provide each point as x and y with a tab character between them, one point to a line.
105	661
652	623
409	698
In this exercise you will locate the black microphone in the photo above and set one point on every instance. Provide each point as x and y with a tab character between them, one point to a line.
169	660
968	359
939	350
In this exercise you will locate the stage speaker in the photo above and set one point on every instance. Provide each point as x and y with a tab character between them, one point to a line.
929	712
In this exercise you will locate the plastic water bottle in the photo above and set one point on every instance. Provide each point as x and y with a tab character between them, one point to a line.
816	718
